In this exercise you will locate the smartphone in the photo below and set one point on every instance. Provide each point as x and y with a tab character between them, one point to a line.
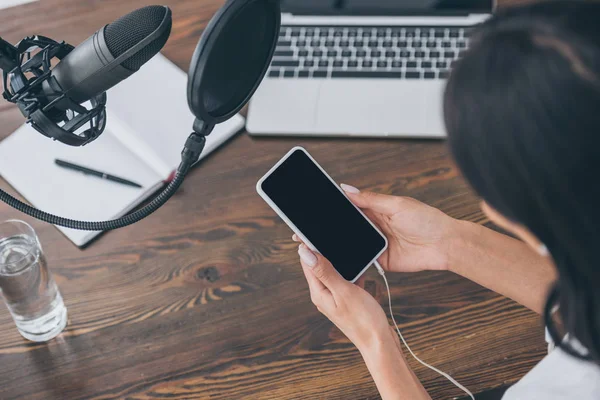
299	190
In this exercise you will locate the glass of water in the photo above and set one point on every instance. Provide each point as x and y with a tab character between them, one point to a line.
26	284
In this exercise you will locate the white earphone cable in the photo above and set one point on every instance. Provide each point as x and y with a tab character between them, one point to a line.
445	375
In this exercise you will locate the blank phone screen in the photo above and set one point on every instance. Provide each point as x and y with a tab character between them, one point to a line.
323	214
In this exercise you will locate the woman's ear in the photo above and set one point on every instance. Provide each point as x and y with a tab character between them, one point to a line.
514	228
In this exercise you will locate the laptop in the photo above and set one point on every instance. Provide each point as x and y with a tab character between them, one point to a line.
368	68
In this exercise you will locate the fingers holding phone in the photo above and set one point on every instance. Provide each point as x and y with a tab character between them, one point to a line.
354	311
419	235
340	243
317	210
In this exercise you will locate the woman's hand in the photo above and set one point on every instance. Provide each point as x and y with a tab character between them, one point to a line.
419	235
354	311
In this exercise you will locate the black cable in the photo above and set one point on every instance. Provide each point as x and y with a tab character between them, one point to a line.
190	154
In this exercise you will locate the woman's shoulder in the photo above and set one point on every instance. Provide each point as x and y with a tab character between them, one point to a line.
558	376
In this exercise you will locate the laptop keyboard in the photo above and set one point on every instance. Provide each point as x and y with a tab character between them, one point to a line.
368	52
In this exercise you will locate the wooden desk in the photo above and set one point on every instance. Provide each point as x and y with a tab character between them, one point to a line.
206	298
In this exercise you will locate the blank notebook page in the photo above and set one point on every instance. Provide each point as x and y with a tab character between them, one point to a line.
27	163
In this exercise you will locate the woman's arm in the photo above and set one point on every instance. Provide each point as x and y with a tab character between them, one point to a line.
360	317
392	375
424	238
501	263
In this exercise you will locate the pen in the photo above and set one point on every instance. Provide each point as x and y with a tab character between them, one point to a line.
101	175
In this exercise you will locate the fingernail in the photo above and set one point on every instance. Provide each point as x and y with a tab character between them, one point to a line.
543	250
349	189
295	238
307	256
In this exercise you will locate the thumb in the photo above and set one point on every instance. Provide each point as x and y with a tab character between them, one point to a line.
321	268
380	203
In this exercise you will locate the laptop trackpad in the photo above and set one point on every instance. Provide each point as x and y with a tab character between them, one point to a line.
360	106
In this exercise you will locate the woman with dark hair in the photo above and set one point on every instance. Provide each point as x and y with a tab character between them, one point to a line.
522	112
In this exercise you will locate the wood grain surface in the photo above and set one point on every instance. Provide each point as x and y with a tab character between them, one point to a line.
206	298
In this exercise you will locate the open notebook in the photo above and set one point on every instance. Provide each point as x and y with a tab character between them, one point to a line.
148	123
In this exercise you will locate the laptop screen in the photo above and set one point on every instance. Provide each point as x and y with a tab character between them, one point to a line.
386	7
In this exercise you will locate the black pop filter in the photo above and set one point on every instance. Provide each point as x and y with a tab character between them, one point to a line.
231	59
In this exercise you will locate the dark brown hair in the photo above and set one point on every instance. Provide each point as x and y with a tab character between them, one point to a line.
522	112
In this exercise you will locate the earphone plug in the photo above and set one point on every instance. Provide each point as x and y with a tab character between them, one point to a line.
379	268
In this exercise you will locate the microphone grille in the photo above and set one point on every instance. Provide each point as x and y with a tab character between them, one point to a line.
131	29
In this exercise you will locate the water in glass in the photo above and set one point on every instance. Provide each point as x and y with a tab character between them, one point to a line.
27	286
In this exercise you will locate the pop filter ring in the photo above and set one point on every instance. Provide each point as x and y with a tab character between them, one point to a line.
198	65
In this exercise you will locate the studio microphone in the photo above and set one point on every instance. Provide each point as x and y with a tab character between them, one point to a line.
230	60
53	101
110	55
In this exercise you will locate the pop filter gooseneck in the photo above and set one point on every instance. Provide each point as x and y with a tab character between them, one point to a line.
229	63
